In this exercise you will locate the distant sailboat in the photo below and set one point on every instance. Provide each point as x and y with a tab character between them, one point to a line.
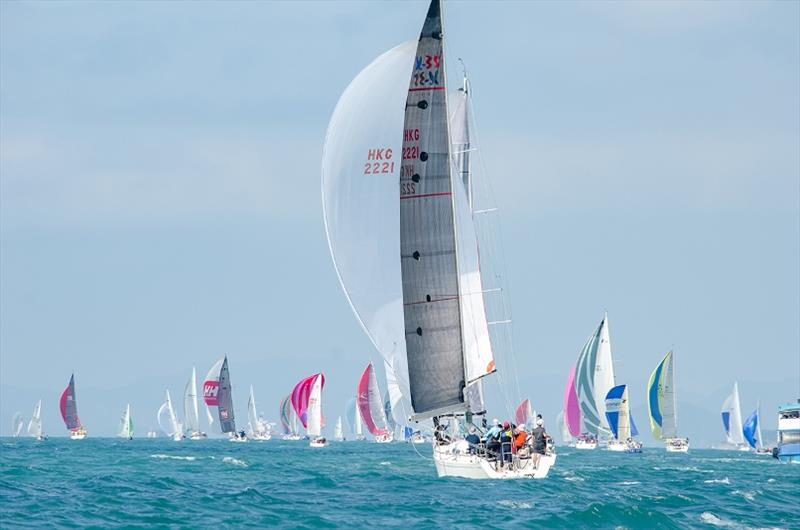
338	433
620	421
423	307
307	403
594	378
259	429
191	413
662	406
35	425
371	406
217	394
524	414
288	419
126	424
69	411
563	429
732	420
168	421
16	425
752	432
354	422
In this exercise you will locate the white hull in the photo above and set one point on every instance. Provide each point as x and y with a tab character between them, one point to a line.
317	443
580	444
238	440
677	445
292	437
617	447
384	439
417	440
177	437
75	436
453	461
678	449
261	437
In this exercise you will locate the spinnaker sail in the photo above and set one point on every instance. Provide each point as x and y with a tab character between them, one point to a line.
314	410
594	378
301	396
572	408
69	406
752	430
370	404
524	413
618	412
661	400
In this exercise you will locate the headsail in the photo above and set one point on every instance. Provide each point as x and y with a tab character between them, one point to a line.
69	406
370	404
524	413
594	377
16	424
190	410
732	417
35	425
566	435
126	424
751	425
661	400
618	412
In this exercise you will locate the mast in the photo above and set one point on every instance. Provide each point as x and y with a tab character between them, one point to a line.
190	410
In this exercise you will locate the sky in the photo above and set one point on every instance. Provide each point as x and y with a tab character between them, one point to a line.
160	195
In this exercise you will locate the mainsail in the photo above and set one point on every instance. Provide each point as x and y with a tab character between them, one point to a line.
618	412
338	433
314	411
566	434
732	417
572	408
69	406
594	377
288	422
217	393
190	410
35	425
126	424
257	425
661	400
370	404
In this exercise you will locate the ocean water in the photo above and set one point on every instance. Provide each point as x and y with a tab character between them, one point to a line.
200	484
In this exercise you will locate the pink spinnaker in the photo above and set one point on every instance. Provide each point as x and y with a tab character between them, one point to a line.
301	394
572	410
522	412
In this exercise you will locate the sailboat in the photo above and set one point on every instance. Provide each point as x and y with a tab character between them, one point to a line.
190	411
572	415
35	425
289	419
593	378
524	414
371	407
16	424
307	403
563	429
217	394
662	406
259	429
620	421
338	433
168	421
732	420
126	424
752	432
354	422
69	411
424	312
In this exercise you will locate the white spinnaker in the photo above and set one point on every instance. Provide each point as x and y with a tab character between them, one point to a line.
566	437
35	425
190	410
362	211
669	427
164	422
315	409
603	372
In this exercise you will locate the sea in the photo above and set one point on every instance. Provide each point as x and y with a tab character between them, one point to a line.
159	483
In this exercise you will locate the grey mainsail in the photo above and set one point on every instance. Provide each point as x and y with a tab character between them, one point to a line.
225	406
431	304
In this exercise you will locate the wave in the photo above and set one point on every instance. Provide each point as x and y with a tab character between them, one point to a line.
234	461
515	505
725	480
175	457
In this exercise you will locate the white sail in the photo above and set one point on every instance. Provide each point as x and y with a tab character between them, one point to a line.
164	422
338	434
190	410
358	429
669	427
35	425
176	425
125	423
257	425
733	420
314	424
604	370
17	424
566	437
400	413
361	210
759	440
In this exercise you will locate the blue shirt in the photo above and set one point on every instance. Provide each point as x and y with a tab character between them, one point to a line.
494	432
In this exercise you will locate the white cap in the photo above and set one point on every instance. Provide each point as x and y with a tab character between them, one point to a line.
539	422
496	421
